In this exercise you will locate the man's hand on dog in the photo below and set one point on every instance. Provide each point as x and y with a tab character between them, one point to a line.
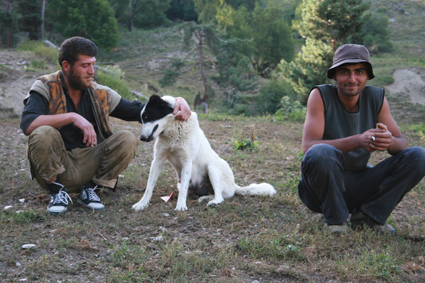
182	109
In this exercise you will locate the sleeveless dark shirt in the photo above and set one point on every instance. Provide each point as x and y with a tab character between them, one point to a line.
340	123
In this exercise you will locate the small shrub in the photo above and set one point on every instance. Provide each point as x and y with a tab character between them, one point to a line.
271	94
248	144
387	79
171	74
290	110
41	49
112	76
38	64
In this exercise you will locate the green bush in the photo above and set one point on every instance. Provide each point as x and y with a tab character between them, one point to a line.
38	64
271	94
290	110
387	79
112	76
171	74
40	49
376	34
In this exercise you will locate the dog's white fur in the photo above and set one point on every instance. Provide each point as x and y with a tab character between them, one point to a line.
185	146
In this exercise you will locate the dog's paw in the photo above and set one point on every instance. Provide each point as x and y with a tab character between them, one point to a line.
214	203
205	198
140	206
181	208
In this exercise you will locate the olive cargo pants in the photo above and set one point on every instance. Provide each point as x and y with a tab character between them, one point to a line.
101	164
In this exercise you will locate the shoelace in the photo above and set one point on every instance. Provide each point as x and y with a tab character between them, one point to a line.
62	195
92	194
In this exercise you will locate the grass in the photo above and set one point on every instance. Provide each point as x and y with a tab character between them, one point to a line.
244	238
47	55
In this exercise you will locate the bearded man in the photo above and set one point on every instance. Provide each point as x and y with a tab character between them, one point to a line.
71	147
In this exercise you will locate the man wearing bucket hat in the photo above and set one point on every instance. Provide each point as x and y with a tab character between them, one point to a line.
344	124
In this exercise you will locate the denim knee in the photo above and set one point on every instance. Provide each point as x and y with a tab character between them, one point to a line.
322	157
416	156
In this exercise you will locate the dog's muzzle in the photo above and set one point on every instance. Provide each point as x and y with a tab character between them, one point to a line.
150	137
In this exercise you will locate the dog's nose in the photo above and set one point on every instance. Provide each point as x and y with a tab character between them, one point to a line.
146	139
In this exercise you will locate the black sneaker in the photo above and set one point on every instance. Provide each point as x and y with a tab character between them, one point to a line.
89	199
58	201
359	220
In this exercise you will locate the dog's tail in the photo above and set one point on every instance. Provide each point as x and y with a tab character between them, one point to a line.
256	189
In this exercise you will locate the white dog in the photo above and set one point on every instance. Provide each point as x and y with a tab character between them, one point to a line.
185	146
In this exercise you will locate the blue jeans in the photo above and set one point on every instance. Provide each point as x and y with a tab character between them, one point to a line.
327	188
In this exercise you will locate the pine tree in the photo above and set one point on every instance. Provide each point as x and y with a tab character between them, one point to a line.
325	24
182	10
308	68
334	22
140	13
268	35
30	18
8	22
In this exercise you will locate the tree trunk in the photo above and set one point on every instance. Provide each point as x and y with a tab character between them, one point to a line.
43	9
201	61
131	14
8	31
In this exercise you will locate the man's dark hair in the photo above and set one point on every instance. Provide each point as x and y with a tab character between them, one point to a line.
74	46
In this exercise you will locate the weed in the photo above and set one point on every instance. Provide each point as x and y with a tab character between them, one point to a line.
419	130
24	217
272	246
372	263
245	143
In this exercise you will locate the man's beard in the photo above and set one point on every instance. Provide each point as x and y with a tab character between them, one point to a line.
77	82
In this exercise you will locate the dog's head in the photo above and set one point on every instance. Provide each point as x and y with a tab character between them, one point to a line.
155	115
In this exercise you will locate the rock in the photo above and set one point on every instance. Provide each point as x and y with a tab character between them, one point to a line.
28	246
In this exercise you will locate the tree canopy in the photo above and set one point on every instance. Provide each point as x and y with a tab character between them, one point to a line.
264	26
93	19
333	21
325	25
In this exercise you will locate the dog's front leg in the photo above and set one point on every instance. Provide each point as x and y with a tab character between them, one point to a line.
155	170
184	186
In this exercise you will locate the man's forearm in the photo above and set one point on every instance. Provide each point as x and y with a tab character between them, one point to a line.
55	121
397	144
345	145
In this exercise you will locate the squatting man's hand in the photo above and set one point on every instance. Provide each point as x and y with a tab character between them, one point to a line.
376	139
90	137
182	109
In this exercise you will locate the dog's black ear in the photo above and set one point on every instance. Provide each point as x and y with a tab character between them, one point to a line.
154	97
